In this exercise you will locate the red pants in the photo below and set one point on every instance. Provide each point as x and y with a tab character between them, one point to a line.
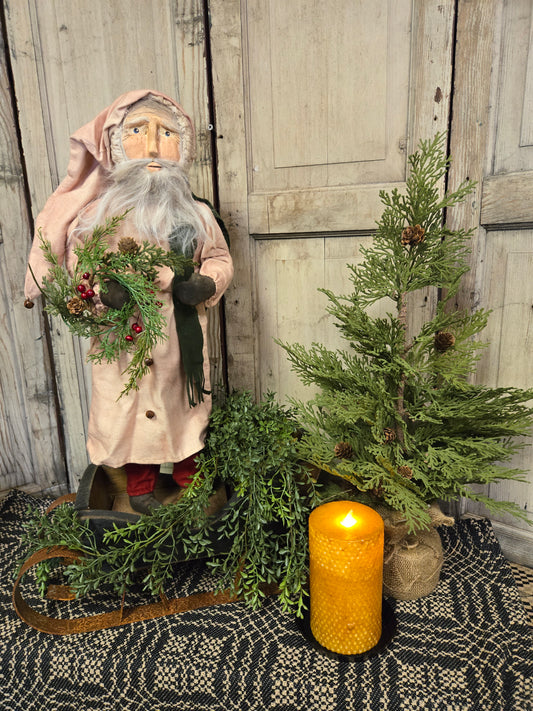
142	477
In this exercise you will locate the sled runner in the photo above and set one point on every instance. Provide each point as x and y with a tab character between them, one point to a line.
98	501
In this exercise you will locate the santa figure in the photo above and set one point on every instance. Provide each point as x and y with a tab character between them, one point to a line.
134	156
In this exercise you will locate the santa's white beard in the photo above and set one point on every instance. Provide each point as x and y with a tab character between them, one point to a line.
162	209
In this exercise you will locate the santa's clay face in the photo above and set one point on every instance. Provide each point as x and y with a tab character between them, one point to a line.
148	134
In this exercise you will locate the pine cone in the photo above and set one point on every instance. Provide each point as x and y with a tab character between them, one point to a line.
444	340
343	450
76	306
390	435
413	235
406	472
127	245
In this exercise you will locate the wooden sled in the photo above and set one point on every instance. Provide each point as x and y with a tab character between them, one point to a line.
101	500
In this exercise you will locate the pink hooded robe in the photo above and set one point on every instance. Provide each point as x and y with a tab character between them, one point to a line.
154	424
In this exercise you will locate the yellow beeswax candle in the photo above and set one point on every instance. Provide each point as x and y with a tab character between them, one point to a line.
346	576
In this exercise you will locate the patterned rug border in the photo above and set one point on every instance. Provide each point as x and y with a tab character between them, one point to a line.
524	581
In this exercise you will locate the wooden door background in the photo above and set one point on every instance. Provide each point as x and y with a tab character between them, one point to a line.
317	106
323	120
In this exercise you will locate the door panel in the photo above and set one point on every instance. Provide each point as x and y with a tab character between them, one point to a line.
327	100
512	149
326	92
289	273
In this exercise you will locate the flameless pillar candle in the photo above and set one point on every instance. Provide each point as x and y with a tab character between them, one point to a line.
346	576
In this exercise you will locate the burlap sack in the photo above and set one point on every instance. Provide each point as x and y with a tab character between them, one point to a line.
412	562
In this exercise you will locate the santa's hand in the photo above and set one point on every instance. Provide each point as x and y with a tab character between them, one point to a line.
196	289
115	296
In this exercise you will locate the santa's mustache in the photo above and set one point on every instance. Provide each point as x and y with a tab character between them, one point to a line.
160	204
138	169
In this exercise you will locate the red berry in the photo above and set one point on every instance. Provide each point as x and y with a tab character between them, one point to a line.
128	338
134	326
80	288
86	275
138	329
84	296
90	293
159	304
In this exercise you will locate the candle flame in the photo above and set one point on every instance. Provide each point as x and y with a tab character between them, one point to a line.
348	521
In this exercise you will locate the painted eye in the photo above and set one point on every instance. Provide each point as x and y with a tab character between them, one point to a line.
136	130
167	133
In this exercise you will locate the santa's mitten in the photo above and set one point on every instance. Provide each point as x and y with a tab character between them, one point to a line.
115	295
196	289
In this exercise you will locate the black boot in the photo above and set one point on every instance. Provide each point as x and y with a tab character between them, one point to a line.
144	503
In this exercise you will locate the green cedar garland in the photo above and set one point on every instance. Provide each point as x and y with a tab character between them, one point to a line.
134	267
416	427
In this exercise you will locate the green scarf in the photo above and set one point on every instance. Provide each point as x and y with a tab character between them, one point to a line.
189	330
191	340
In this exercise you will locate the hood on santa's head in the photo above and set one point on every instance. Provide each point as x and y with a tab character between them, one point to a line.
102	137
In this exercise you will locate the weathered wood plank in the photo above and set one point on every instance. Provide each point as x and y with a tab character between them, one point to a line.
317	210
325	107
506	361
510	152
506	199
43	176
30	452
287	276
478	35
477	38
430	90
226	46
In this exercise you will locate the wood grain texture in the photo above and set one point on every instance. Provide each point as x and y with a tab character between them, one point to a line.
289	273
317	210
478	32
506	199
430	89
227	51
511	153
30	452
325	93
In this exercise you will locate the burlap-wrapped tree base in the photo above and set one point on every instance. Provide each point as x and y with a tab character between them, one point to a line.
412	562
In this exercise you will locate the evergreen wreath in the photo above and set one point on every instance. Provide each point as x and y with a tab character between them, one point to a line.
134	328
398	416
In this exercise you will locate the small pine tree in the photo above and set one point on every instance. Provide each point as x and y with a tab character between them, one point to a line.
399	417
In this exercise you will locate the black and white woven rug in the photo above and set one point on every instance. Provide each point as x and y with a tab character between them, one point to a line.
466	647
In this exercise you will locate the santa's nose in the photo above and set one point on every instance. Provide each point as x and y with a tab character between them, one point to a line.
152	143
